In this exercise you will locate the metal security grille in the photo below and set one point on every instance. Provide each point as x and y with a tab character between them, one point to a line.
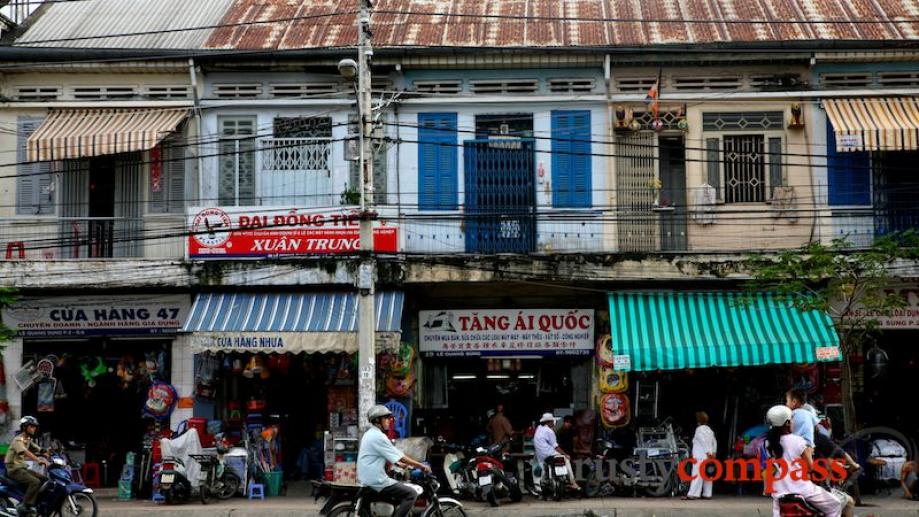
744	169
743	121
500	195
635	174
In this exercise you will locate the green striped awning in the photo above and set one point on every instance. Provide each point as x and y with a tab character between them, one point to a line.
671	331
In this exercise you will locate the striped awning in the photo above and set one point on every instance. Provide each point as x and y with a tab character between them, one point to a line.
288	322
874	124
81	133
672	331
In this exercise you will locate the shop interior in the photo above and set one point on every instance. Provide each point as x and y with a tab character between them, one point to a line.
885	382
297	396
526	386
92	394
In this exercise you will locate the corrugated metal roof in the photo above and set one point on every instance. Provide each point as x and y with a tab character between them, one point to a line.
512	23
546	23
62	22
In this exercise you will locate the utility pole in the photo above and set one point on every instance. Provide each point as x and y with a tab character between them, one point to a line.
366	277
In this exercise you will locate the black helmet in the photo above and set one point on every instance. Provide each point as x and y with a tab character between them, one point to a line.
27	421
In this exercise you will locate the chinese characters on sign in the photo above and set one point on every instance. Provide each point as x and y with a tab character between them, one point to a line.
255	232
495	332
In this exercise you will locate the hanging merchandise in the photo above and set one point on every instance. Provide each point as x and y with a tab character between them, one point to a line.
604	352
614	410
125	371
206	367
805	377
90	374
161	399
612	381
45	367
46	396
400	387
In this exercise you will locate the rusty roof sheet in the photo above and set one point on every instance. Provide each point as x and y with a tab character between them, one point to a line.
308	24
563	23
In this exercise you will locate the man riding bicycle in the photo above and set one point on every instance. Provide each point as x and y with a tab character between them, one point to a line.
375	452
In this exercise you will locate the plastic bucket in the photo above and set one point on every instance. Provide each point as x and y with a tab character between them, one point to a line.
273	481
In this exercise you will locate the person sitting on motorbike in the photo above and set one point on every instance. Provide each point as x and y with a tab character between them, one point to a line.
374	453
781	444
22	449
546	446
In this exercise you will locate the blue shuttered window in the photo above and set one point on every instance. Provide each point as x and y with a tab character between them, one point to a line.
848	174
437	161
571	160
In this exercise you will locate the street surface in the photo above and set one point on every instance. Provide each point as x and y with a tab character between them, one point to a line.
299	505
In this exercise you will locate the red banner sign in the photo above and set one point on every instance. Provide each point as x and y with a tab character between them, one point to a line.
257	233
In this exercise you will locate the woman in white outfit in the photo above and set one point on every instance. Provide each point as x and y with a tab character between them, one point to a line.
704	446
781	444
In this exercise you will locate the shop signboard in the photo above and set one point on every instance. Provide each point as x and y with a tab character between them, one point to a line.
259	232
76	316
507	332
906	317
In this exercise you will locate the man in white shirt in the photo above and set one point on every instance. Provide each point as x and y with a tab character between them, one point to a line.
546	445
375	452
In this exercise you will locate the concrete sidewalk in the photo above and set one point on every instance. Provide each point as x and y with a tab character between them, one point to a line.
300	506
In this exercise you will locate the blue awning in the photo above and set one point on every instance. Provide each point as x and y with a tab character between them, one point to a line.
287	322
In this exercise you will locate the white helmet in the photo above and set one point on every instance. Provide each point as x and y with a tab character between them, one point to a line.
378	411
778	415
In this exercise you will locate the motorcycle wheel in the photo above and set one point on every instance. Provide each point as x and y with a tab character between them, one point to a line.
515	493
342	510
79	504
559	491
492	498
230	485
447	509
204	493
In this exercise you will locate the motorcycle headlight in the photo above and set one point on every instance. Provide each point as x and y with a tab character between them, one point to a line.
59	461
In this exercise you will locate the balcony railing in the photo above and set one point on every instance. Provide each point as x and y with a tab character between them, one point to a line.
53	238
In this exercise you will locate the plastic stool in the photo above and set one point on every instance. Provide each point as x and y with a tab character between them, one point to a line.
91	475
256	491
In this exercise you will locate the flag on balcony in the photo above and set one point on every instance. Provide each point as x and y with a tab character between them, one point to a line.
653	96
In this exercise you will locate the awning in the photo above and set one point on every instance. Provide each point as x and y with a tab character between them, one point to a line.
277	323
80	133
671	331
874	124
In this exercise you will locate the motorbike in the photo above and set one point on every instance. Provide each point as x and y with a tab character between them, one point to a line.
550	479
365	503
59	495
493	482
217	481
481	476
174	485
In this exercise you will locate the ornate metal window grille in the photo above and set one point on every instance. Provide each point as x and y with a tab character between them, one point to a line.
236	185
669	118
744	169
743	121
296	154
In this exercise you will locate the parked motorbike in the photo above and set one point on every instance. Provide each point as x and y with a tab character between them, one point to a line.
59	496
174	485
217	481
366	504
479	474
550	479
494	483
793	505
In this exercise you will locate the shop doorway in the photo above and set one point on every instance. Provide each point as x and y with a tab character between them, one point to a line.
98	400
101	206
526	387
302	395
